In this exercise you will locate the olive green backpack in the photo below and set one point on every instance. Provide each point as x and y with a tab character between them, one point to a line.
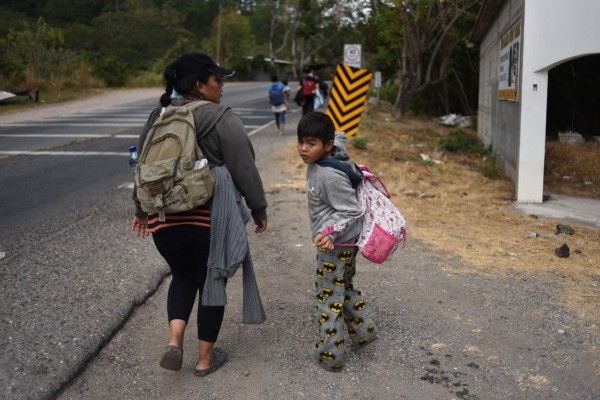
172	174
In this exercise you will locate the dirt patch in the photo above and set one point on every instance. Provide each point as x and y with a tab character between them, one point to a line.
452	207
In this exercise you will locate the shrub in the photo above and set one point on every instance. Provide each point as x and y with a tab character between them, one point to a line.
35	57
389	93
489	165
359	143
460	141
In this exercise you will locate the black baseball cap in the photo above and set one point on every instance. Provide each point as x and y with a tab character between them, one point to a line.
192	63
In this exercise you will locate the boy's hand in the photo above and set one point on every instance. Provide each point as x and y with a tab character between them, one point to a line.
323	242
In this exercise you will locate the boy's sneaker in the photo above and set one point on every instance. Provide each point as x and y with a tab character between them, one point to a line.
319	360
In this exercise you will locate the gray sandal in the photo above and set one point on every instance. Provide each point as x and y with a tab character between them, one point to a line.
219	358
172	358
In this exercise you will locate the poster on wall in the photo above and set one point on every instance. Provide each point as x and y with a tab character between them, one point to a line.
509	66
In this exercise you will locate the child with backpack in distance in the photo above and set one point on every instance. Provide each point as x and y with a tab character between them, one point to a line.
309	86
332	197
279	103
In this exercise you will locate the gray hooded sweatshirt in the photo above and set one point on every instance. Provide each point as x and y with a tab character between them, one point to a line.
331	198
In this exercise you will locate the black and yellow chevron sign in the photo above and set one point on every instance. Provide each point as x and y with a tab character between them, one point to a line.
348	96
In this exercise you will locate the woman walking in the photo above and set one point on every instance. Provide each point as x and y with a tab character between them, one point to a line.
198	243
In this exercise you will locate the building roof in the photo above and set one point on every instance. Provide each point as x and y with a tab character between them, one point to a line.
487	15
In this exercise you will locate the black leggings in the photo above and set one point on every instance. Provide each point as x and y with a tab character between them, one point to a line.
186	248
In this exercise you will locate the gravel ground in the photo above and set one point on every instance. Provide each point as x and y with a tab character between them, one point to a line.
443	335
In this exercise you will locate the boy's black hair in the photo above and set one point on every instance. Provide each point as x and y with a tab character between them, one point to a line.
274	78
318	125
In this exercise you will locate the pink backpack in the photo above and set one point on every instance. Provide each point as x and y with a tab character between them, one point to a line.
384	227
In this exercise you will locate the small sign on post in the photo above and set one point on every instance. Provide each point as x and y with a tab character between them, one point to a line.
353	55
377	83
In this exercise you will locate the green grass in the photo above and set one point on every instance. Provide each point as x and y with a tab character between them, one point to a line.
359	143
460	141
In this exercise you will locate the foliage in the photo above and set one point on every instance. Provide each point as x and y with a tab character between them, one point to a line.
359	142
422	44
119	44
388	93
35	57
460	141
489	165
235	41
419	46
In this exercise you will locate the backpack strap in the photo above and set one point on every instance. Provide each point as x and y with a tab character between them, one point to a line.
355	179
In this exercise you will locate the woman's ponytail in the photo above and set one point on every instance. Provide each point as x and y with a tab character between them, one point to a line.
169	77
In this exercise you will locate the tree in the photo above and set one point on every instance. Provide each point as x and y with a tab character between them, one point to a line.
423	36
122	43
233	39
34	56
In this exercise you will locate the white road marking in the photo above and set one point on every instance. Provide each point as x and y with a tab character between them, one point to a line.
65	153
63	135
126	185
45	124
261	128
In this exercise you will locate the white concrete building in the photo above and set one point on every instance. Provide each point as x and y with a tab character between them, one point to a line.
521	41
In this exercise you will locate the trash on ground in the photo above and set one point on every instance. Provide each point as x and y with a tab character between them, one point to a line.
428	159
6	95
562	251
564	229
570	137
534	235
461	121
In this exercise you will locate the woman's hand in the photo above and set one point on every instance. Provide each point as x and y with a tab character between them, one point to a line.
139	226
261	225
323	242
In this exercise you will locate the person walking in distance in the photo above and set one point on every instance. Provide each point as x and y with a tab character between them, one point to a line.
332	198
309	86
192	241
279	103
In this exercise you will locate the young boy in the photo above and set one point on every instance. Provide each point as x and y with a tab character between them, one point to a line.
334	213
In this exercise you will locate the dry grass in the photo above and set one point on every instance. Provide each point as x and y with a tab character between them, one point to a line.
573	169
453	208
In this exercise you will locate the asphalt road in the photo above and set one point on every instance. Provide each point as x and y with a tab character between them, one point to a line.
61	163
70	272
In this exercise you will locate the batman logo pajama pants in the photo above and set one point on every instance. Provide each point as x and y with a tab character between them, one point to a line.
339	307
